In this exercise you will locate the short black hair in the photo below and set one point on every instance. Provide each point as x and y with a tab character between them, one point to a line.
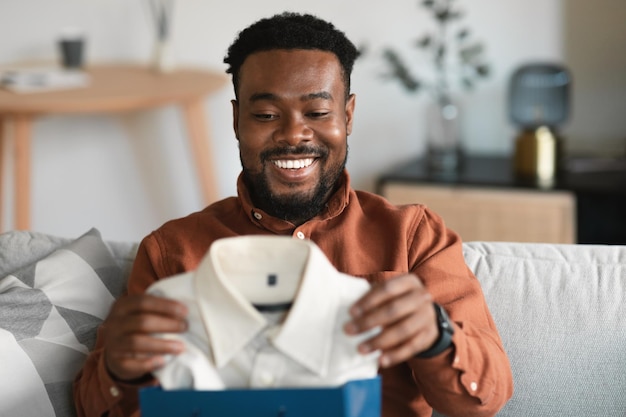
291	31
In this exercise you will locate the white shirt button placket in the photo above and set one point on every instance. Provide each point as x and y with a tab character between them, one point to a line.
266	369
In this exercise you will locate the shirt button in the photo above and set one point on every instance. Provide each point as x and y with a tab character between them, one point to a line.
473	386
114	391
258	216
300	235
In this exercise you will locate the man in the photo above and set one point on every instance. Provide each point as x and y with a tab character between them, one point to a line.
292	114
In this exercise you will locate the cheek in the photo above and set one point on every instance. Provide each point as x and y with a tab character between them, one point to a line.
245	150
249	156
253	134
336	135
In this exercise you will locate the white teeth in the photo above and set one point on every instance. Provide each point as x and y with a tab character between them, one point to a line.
291	164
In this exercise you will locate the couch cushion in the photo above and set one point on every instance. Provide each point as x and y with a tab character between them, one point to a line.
49	313
22	247
561	312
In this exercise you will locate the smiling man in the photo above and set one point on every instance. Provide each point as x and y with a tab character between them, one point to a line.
292	119
292	115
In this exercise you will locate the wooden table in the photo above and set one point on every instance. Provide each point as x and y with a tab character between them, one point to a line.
112	89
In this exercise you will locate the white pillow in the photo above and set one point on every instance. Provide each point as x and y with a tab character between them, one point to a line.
49	314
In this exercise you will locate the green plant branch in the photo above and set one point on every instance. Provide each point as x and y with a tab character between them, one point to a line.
437	45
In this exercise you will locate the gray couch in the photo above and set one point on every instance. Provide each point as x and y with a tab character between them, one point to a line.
560	309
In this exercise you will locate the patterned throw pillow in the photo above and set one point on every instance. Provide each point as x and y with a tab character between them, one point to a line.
49	314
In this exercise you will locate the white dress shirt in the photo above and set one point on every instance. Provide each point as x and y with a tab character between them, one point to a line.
230	343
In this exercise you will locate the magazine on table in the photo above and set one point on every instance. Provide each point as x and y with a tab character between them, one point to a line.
42	79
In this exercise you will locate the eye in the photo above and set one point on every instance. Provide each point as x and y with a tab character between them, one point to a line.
318	114
264	116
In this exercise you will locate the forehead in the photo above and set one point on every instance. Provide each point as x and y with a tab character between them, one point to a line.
295	69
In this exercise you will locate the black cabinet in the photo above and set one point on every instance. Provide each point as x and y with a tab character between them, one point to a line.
600	196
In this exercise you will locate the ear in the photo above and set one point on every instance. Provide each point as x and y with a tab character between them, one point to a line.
235	105
350	103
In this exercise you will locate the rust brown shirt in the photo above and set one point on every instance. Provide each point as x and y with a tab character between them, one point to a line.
362	235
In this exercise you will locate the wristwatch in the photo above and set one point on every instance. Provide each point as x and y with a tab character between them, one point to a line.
446	331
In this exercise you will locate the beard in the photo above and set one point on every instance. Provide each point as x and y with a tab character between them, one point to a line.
296	207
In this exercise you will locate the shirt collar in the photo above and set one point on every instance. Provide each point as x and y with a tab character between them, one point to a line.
230	319
335	205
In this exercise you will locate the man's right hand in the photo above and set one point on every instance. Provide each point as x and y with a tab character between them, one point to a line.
130	349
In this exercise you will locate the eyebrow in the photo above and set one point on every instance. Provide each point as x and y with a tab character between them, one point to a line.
306	97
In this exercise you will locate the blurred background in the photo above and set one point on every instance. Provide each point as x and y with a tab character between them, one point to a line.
127	174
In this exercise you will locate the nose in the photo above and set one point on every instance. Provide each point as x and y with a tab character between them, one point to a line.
293	130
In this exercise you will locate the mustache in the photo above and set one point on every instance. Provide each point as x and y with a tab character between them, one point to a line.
308	150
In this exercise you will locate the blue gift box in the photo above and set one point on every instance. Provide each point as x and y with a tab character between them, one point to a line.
359	398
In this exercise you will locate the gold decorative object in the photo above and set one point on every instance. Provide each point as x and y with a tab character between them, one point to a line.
536	155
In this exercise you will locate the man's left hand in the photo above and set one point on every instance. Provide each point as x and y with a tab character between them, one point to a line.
403	309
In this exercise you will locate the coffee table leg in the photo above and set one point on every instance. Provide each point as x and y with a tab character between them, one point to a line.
23	127
200	142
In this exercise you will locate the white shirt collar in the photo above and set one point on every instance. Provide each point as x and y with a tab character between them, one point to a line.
229	317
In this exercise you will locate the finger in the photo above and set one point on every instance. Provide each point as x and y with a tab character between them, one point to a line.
415	332
399	354
151	323
383	292
132	357
146	303
144	345
129	368
392	311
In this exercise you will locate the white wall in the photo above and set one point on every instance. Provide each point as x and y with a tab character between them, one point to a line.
127	175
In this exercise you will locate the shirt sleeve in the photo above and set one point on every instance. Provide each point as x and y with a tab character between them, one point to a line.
96	393
474	377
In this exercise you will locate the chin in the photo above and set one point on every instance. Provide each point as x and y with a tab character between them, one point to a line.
293	197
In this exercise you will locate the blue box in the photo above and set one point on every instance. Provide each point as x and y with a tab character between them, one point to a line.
360	398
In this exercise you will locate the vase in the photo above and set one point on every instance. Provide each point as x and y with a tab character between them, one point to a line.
444	151
163	58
